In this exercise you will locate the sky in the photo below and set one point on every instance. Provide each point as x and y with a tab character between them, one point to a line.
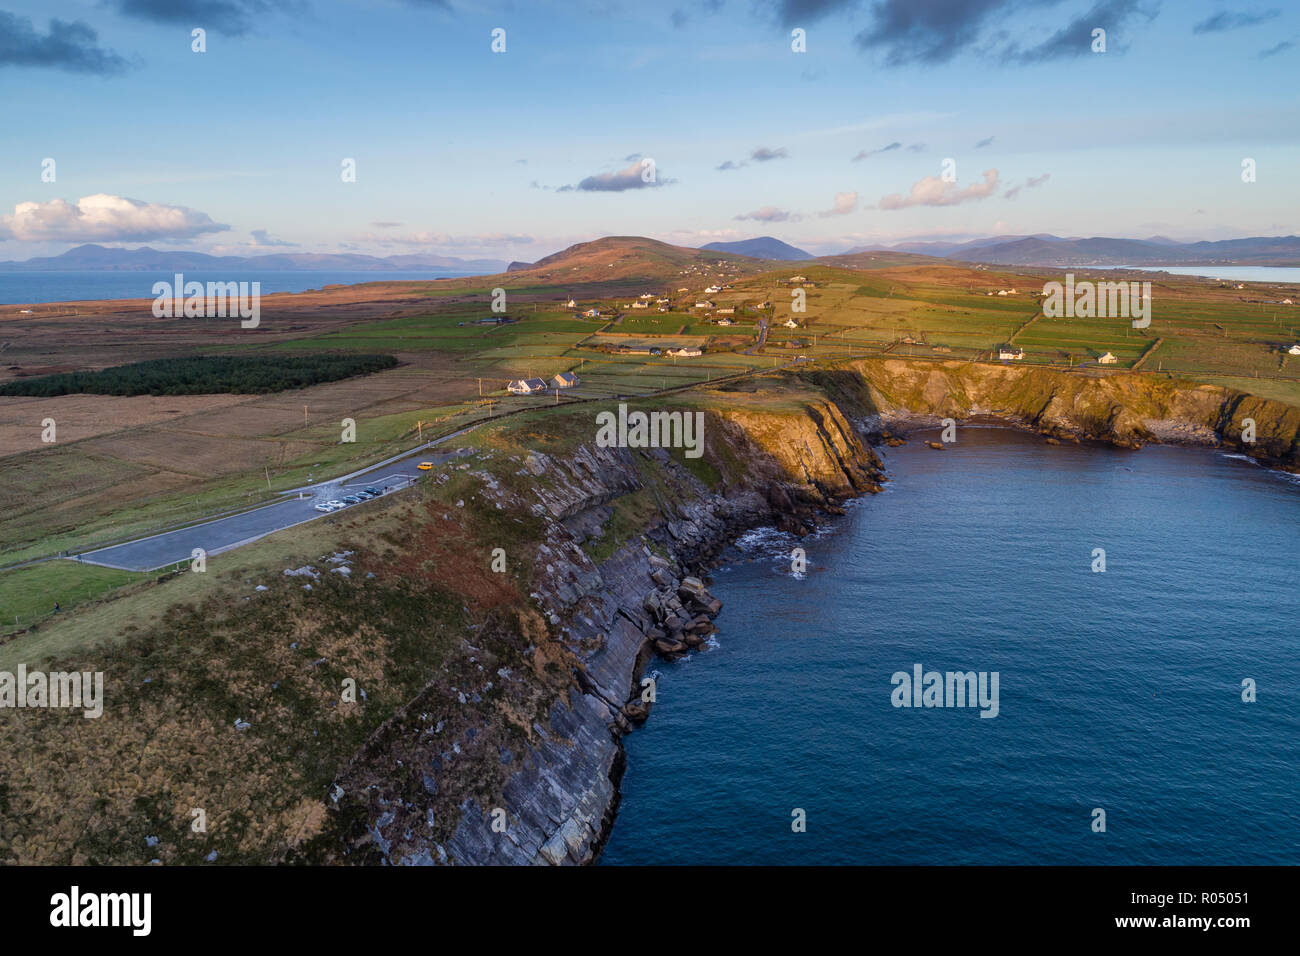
690	121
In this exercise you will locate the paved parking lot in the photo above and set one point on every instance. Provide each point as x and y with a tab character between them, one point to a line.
161	550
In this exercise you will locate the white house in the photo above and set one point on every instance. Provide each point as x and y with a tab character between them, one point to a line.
790	324
725	321
713	288
564	380
1294	350
726	311
527	386
704	304
640	305
1287	302
646	295
592	313
1107	359
1006	352
798	279
686	351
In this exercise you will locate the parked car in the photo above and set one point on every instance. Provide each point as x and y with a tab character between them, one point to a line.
324	507
336	504
425	466
352	499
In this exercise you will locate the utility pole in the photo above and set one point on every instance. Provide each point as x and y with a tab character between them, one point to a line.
268	477
480	388
304	416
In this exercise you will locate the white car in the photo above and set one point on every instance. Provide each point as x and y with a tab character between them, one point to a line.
336	504
323	507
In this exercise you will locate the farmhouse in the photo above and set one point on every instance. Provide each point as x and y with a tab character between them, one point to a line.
640	305
790	324
704	304
686	351
713	288
798	279
726	312
527	386
725	321
1107	359
564	380
1294	350
1006	352
592	313
571	304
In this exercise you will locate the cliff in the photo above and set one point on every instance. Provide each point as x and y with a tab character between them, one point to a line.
1125	409
608	617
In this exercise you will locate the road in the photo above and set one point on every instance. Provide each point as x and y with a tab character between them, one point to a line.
297	507
222	534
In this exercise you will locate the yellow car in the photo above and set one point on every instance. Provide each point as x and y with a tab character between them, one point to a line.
425	466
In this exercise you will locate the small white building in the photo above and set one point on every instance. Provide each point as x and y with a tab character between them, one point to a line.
790	324
571	304
1106	359
1287	302
1010	352
725	321
726	311
713	288
704	304
640	305
798	279
686	351
1293	350
527	386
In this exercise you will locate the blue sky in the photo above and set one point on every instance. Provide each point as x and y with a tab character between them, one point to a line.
462	151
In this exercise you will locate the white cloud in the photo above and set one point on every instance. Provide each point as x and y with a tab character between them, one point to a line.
933	191
845	203
770	214
104	218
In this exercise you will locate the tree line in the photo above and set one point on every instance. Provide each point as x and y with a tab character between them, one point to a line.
205	375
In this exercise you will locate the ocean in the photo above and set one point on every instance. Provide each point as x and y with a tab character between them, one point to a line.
1119	690
32	287
1235	273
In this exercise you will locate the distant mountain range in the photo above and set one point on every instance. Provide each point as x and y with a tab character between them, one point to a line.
1049	250
92	257
764	247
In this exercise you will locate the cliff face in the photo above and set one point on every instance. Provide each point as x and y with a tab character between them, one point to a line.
1127	410
608	617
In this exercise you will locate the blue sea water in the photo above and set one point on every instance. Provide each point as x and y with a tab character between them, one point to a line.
32	287
1235	273
1120	690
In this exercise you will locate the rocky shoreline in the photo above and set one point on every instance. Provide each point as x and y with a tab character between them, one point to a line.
609	619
